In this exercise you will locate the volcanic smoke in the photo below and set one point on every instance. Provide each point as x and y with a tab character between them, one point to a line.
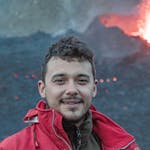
134	24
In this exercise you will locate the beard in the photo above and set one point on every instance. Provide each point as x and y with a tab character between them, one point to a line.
76	122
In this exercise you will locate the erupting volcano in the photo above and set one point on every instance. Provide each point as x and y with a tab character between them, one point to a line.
136	24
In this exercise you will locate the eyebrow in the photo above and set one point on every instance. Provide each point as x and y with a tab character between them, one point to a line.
63	75
58	75
83	75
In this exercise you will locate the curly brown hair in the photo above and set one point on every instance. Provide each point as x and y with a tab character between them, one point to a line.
69	48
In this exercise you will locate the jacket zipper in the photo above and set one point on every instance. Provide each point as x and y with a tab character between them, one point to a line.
78	138
56	132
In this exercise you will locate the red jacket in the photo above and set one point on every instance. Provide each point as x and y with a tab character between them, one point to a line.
46	132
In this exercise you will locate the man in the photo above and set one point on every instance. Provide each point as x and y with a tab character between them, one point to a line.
67	120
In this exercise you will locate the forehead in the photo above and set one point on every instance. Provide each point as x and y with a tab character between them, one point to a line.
74	67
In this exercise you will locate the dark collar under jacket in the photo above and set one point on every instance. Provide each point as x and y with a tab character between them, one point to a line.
82	137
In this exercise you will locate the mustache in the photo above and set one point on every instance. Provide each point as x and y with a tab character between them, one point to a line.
71	98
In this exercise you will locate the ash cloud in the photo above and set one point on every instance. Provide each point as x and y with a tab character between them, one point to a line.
21	18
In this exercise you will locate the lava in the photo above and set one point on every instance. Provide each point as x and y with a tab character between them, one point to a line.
136	24
144	20
127	23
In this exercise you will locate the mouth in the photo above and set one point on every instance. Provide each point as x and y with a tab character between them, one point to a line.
70	101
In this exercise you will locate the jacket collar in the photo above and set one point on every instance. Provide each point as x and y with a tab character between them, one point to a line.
50	122
111	135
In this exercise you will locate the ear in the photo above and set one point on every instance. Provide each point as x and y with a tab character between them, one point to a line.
41	88
95	88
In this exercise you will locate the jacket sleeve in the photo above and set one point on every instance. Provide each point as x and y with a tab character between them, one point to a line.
133	146
2	147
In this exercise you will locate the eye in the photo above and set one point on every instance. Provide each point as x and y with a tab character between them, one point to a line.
59	81
83	81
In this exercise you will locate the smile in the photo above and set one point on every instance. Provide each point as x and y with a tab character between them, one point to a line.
71	102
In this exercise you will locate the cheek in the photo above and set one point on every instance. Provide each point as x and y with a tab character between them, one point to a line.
53	91
87	92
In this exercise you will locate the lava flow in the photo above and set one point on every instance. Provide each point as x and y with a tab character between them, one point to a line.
134	24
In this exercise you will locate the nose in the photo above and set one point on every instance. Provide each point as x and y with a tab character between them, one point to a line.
71	89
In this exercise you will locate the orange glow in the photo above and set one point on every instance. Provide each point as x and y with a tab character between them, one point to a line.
114	79
146	32
101	80
144	20
132	25
127	23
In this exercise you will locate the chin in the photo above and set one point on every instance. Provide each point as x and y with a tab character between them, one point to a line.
73	118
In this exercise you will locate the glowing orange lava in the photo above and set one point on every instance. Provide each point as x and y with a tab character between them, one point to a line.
144	20
133	25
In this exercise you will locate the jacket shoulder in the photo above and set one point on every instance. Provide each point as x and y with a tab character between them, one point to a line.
111	133
19	140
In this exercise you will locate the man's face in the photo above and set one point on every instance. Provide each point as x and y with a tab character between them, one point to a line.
69	87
